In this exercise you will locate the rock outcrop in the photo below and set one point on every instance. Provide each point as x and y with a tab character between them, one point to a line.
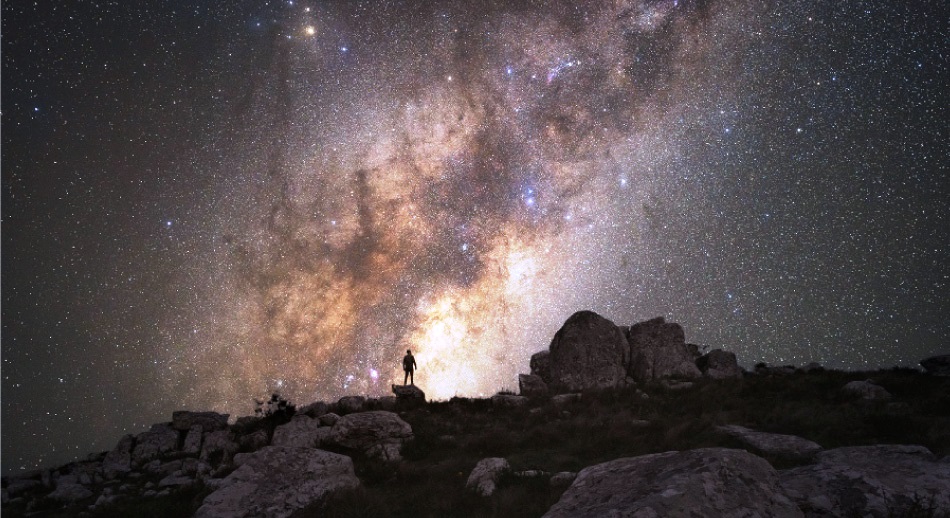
484	477
658	350
301	432
719	364
588	352
276	481
532	386
937	365
409	394
159	440
876	481
541	365
704	482
788	447
378	433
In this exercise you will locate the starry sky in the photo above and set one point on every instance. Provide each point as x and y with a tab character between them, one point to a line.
204	202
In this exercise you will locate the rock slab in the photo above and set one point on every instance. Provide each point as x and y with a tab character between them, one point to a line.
719	364
789	447
874	481
703	482
377	433
276	481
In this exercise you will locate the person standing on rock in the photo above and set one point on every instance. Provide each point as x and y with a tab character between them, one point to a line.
408	365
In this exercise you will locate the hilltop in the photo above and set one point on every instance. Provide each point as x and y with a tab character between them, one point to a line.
610	418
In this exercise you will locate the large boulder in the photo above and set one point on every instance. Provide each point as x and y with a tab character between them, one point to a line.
719	364
276	481
532	386
160	440
183	420
119	460
937	365
876	481
789	447
301	431
218	447
588	351
377	433
703	482
658	350
350	404
484	477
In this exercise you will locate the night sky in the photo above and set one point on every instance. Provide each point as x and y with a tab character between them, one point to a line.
204	202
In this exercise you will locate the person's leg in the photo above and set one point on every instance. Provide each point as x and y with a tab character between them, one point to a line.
405	378
412	379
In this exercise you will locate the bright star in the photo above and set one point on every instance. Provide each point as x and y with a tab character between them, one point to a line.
310	30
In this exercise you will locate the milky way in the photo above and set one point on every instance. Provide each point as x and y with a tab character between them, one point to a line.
287	197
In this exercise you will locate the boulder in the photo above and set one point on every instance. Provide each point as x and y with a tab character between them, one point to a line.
658	350
276	481
253	441
812	367
562	479
159	440
350	404
377	433
315	409
218	447
878	481
937	365
119	460
541	365
329	419
532	386
588	351
409	394
192	444
484	477
719	364
703	482
867	389
184	420
509	401
389	402
176	480
70	491
300	432
788	447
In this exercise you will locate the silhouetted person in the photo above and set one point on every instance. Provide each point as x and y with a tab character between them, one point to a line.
408	365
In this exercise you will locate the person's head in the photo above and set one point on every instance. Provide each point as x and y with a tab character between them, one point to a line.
408	351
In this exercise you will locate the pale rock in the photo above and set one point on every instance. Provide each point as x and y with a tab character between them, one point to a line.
703	482
161	439
509	401
867	390
658	350
789	447
301	431
192	444
276	481
872	481
184	420
486	474
532	386
588	352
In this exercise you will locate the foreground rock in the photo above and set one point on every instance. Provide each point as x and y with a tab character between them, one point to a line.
484	477
658	350
937	365
588	352
302	431
788	447
878	481
379	434
276	481
705	482
409	394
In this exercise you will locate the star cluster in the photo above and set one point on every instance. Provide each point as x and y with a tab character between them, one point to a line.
204	204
